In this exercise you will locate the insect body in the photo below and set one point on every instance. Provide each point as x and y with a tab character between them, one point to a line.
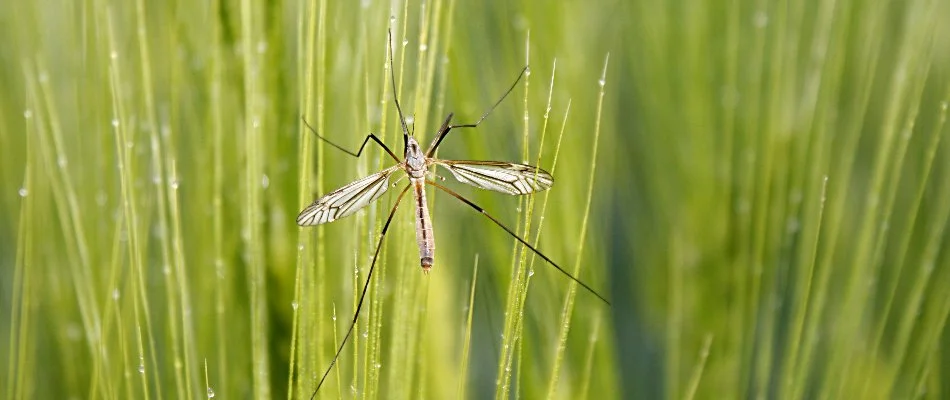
493	175
499	176
417	166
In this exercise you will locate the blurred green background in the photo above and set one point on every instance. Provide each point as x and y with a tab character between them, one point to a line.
760	188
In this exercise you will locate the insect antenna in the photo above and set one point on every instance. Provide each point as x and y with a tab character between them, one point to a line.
392	79
359	306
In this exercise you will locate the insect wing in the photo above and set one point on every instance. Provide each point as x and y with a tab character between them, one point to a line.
347	199
500	176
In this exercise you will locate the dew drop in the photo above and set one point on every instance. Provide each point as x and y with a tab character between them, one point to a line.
423	47
174	184
795	197
115	294
729	97
742	206
210	393
141	365
405	42
300	247
27	114
410	120
530	273
294	305
61	161
792	225
23	192
114	54
378	365
265	182
943	106
261	47
115	122
392	19
518	209
166	270
256	122
760	19
333	317
602	82
73	332
365	334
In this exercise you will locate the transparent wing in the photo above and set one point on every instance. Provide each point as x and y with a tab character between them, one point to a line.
346	200
499	176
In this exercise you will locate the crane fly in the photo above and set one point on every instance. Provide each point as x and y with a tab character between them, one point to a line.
499	176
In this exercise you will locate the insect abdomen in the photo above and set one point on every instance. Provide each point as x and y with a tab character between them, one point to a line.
424	236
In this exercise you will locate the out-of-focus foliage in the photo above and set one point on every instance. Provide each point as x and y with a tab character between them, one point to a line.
760	188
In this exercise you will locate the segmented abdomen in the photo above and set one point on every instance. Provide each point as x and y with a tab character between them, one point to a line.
424	236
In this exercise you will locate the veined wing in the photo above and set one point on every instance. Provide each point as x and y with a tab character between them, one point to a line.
499	176
347	199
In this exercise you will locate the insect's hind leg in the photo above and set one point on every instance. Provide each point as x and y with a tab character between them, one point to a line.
519	238
369	276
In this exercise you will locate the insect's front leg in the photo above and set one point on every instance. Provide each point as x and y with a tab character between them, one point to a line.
433	174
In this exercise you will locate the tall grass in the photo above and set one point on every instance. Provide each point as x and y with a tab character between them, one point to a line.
760	188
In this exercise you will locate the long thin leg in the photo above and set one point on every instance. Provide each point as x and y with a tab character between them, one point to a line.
446	127
360	151
392	78
359	306
513	234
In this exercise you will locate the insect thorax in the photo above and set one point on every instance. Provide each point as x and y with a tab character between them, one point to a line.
415	159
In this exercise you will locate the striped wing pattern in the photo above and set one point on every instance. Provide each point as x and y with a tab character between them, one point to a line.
500	176
347	199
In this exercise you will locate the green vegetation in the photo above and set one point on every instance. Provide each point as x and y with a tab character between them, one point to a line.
761	188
